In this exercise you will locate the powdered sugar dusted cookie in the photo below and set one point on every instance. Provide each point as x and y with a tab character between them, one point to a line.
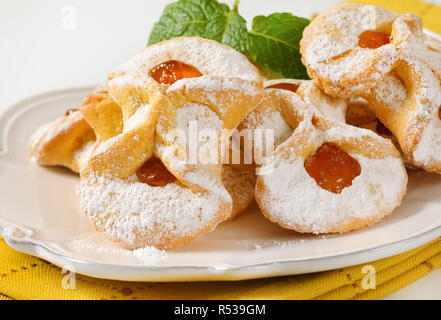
407	101
348	48
66	142
142	186
326	176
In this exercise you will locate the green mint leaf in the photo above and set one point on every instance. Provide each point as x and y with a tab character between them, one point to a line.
273	44
204	18
230	29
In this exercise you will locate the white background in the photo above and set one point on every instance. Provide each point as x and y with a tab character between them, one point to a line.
42	49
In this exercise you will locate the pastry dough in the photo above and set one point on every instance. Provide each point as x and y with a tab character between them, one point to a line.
239	180
154	115
131	125
359	113
209	57
138	214
331	108
346	49
102	113
327	176
66	142
69	141
276	115
408	99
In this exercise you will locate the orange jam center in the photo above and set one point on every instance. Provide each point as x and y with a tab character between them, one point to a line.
285	86
373	39
439	113
154	173
332	168
70	111
171	71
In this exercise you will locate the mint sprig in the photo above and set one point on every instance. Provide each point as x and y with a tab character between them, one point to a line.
272	43
204	18
230	29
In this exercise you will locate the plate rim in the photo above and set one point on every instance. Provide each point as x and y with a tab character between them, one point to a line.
160	273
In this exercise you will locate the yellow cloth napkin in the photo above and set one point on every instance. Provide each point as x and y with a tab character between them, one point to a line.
26	277
430	13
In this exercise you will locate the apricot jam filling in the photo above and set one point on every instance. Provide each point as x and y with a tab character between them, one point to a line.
70	111
373	39
332	168
285	86
439	113
171	71
154	173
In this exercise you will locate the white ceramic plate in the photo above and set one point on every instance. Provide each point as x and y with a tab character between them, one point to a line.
39	215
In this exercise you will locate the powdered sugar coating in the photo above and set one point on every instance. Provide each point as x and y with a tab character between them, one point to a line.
82	155
208	56
204	117
148	255
315	98
409	37
220	94
67	141
138	214
342	26
265	120
428	148
408	99
431	53
392	91
240	183
295	199
47	132
422	73
292	198
331	53
214	83
198	129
